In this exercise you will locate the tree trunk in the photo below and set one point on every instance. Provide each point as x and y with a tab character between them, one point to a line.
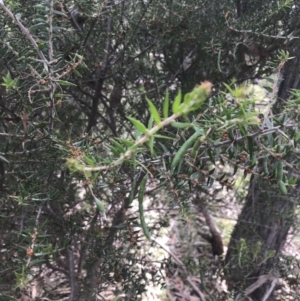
265	220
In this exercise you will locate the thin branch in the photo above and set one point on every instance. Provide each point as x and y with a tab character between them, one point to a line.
258	283
25	32
260	132
30	250
26	152
12	135
181	264
195	287
101	75
72	278
260	34
270	290
50	22
143	139
178	261
275	155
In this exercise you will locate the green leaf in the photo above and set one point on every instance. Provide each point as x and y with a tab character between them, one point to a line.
100	206
77	73
188	97
89	161
210	182
254	160
236	168
42	45
96	176
279	170
229	89
126	142
141	209
181	152
265	165
282	187
154	112
176	103
166	105
60	95
57	12
243	130
151	145
221	177
150	122
268	122
195	148
66	83
269	89
118	146
7	79
115	151
292	181
138	125
4	159
270	139
165	150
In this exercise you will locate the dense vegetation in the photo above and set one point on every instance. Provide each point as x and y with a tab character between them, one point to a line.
115	114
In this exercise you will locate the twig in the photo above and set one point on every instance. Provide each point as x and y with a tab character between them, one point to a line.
72	278
181	264
34	235
268	293
50	40
257	284
275	155
194	286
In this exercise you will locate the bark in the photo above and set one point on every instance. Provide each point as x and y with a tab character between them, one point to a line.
265	220
259	236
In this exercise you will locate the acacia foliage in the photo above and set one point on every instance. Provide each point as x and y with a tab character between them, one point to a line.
53	95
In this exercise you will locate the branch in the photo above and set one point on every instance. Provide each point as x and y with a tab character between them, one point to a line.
259	282
259	34
223	143
101	75
25	32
